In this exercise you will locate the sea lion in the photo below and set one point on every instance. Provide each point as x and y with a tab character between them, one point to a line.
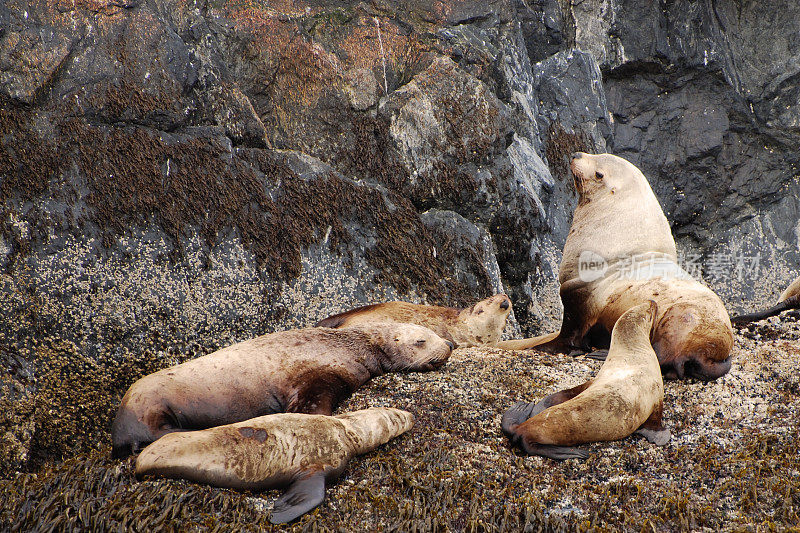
620	253
300	451
625	397
297	371
789	299
479	325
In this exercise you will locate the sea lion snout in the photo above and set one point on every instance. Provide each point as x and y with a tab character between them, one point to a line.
128	434
505	304
450	345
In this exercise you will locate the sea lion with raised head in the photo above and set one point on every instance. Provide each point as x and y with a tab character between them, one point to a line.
479	325
620	253
298	371
625	397
300	451
789	299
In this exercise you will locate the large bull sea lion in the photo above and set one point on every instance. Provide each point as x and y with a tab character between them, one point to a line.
479	325
620	253
625	397
300	451
300	371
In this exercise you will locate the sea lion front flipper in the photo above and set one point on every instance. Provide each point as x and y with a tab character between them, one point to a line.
598	355
559	453
304	494
653	429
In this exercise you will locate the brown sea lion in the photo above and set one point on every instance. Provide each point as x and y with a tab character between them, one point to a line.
298	371
300	451
620	253
479	325
625	397
789	299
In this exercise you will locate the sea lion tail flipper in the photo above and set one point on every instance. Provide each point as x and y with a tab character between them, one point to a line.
559	453
304	494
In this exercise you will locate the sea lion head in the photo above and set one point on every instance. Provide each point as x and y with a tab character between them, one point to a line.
699	344
409	346
369	428
602	175
483	323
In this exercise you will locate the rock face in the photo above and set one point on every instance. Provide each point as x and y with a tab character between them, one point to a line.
706	101
178	176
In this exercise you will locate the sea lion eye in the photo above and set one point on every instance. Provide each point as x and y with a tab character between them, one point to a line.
420	342
479	311
598	175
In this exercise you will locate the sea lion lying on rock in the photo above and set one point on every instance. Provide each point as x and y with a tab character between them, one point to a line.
479	325
301	371
620	253
789	299
625	397
300	451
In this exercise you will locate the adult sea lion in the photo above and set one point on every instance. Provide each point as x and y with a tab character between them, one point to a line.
300	371
479	325
789	299
625	397
300	451
620	253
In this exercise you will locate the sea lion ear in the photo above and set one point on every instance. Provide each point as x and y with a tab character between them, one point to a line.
303	495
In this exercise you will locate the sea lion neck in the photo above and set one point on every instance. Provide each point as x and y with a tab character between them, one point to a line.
375	357
372	356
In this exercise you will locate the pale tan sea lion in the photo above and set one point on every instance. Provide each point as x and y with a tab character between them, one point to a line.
479	325
625	397
620	253
300	371
789	299
300	451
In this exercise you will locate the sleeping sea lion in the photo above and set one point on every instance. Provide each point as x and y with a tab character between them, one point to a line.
789	299
479	325
297	371
620	253
625	397
300	451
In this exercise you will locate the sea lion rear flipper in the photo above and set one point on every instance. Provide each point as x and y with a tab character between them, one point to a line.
525	344
330	322
522	411
761	315
653	429
304	494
